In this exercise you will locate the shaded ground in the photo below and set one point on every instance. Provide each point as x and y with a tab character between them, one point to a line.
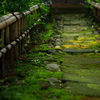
77	34
65	65
81	72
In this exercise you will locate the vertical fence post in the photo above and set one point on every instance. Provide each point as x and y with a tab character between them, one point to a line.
22	29
19	33
10	30
7	41
3	69
16	36
12	38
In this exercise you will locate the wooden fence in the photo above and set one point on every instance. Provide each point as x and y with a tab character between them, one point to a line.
68	6
68	1
96	11
12	37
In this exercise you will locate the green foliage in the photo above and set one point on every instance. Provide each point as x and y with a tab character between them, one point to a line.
44	9
21	5
89	11
24	89
16	6
29	78
89	1
98	1
3	7
1	45
88	5
31	87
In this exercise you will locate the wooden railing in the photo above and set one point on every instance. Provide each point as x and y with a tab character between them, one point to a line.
11	37
96	10
68	1
68	6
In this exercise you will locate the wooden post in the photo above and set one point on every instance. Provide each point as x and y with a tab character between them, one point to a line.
16	36
7	41
19	33
12	38
2	37
3	69
10	30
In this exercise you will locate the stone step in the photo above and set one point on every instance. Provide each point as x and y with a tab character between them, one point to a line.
67	8
81	51
82	72
75	28
81	62
83	89
80	79
75	22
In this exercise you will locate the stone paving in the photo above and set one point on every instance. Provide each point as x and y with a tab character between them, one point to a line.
81	72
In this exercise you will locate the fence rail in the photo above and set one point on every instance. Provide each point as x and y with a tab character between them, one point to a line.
11	37
67	1
96	11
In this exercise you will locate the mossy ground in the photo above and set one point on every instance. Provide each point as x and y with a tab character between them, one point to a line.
28	80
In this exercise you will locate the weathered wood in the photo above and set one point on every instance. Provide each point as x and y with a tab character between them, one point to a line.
96	11
67	1
67	8
19	33
2	37
3	69
9	19
7	62
7	35
12	57
13	31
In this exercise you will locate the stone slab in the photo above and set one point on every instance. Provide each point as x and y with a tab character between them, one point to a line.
66	35
80	51
79	22
82	60
66	22
75	28
80	79
83	89
82	72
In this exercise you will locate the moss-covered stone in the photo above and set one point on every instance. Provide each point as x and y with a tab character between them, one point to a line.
84	89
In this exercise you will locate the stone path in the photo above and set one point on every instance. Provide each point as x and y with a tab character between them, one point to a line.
81	72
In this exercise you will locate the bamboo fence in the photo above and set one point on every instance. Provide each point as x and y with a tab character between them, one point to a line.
12	37
96	11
